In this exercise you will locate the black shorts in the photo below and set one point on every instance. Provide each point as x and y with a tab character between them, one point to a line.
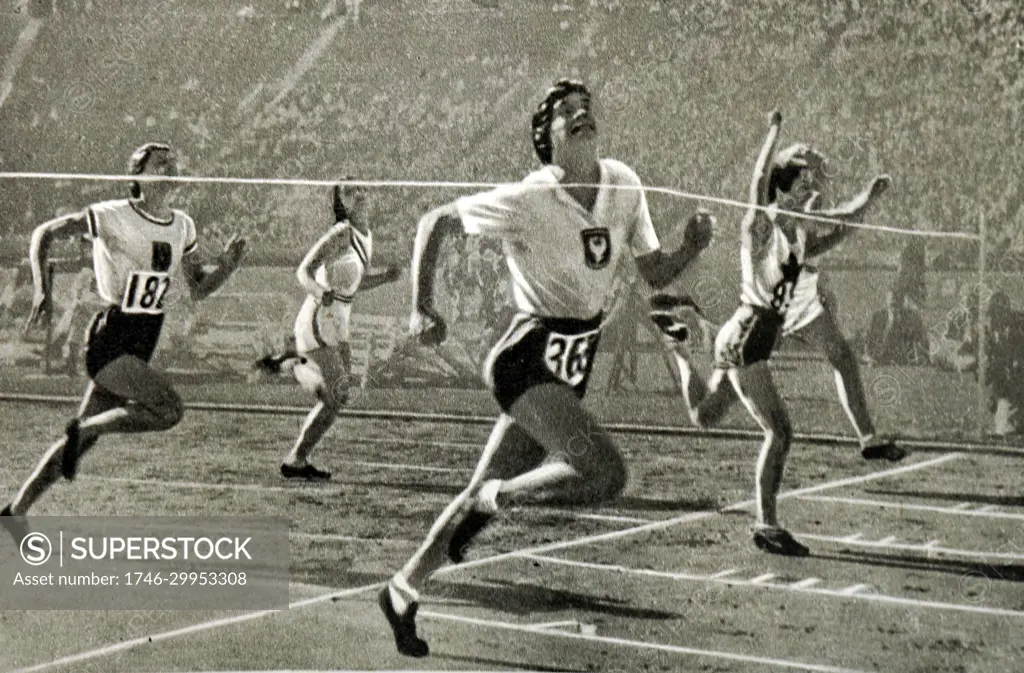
748	337
113	334
536	350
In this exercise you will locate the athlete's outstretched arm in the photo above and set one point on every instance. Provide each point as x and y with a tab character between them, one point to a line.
430	232
755	230
851	211
202	281
660	268
372	280
761	178
75	224
856	207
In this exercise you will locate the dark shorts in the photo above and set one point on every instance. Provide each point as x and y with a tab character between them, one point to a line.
535	351
748	337
113	334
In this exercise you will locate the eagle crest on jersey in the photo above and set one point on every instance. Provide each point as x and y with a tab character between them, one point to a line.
597	247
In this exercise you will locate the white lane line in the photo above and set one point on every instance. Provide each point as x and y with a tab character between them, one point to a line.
930	548
792	588
725	573
910	507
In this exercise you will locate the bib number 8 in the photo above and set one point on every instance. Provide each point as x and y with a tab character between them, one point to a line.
145	292
569	357
782	294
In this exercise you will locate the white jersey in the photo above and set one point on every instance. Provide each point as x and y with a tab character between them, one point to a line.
781	280
564	261
136	256
317	326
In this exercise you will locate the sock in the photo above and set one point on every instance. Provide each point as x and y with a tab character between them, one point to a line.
402	595
487	498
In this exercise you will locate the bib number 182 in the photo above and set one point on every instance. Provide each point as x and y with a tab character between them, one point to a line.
568	357
145	292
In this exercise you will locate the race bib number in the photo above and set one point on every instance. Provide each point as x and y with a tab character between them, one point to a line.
569	357
145	292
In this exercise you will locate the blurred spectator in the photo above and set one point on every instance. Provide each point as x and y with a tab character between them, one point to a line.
910	277
955	349
1006	361
897	335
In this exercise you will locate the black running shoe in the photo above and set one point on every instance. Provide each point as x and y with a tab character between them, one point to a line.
69	458
886	450
403	626
13	524
307	472
679	318
778	541
465	532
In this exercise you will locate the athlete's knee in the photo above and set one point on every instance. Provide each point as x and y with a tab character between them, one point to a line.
839	353
615	480
707	415
334	395
608	478
781	433
169	410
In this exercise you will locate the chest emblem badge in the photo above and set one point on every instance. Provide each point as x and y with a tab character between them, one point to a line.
597	247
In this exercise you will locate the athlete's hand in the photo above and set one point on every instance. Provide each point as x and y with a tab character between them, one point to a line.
233	251
391	274
42	305
427	326
700	230
776	117
880	185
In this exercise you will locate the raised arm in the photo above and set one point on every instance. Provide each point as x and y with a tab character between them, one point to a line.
755	230
75	224
851	211
759	182
660	268
855	209
430	232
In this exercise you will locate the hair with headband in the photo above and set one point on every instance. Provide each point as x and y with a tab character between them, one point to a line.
542	118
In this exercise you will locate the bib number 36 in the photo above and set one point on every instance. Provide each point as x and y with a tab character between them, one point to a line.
569	357
145	292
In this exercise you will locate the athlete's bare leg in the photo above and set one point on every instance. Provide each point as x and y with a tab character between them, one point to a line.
756	389
706	402
324	373
48	471
151	404
824	334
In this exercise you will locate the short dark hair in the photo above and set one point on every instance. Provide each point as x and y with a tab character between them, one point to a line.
541	122
787	164
139	159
